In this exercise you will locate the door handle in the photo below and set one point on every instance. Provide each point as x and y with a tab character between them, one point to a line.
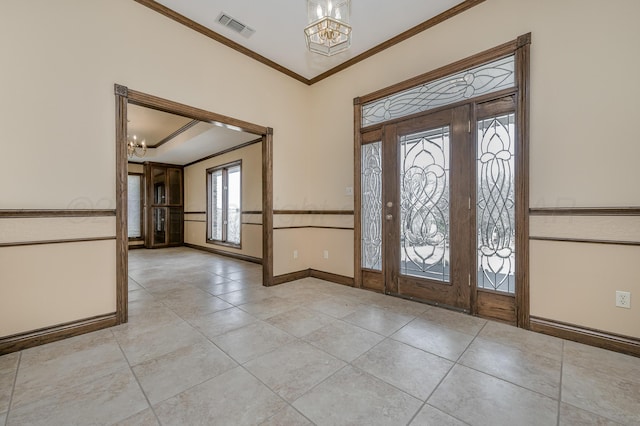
389	204
389	217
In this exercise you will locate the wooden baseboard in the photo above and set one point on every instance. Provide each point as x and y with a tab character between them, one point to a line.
334	278
291	276
327	276
588	336
18	342
226	253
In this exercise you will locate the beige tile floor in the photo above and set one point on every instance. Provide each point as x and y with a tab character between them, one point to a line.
208	345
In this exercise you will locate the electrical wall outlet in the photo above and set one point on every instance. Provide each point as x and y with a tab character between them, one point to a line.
348	191
295	254
326	254
623	299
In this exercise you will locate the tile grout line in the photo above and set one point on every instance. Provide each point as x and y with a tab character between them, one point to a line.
322	381
560	388
199	383
294	409
241	365
506	381
274	392
355	367
350	363
13	389
454	363
137	381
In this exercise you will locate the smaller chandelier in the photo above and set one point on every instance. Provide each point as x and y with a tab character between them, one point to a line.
328	31
139	149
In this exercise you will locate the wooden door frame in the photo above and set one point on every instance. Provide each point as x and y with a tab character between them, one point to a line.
520	47
125	96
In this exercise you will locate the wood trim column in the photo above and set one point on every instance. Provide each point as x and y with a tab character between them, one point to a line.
122	240
267	208
522	180
357	194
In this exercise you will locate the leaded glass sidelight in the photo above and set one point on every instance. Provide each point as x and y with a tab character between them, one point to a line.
234	213
372	206
486	78
134	206
496	203
424	204
216	220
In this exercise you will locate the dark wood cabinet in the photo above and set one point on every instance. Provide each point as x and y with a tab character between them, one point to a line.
164	205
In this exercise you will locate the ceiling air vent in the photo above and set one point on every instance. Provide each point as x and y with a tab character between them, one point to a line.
235	25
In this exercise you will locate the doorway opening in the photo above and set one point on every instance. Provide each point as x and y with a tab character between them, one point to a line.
262	137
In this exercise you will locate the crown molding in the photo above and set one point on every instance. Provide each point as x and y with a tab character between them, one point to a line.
171	14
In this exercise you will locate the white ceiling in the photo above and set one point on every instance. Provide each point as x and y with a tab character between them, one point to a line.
279	26
199	141
152	125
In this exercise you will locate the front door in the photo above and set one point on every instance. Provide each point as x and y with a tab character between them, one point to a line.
442	198
444	183
427	217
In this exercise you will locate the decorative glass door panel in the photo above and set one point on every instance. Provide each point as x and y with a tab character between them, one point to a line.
426	216
495	215
495	194
371	184
424	204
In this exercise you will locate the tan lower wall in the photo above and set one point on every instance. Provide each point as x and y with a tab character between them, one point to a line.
84	284
310	243
576	283
285	241
195	233
333	241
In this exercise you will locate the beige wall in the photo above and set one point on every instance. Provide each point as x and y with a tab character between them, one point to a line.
195	200
576	283
45	285
58	109
584	146
310	235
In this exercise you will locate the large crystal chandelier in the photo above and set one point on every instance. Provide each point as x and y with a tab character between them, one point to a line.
328	31
135	147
